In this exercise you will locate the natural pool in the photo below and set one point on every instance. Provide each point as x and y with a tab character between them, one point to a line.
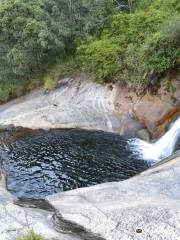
39	163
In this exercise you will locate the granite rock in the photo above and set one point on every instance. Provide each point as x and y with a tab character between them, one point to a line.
144	207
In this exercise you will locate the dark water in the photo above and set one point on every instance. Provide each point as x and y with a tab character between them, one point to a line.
177	146
43	163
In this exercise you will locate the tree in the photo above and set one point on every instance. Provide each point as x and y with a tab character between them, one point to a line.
31	33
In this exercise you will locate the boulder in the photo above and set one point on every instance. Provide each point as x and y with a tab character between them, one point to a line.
144	135
156	113
130	126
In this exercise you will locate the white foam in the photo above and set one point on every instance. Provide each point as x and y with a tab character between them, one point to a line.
162	148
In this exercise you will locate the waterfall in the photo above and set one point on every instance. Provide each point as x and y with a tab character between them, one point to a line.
162	148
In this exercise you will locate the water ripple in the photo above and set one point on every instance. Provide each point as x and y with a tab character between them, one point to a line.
60	160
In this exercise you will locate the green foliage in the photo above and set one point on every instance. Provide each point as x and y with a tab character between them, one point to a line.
29	36
128	40
34	34
31	236
164	46
166	85
51	78
136	47
69	67
170	6
100	57
12	89
63	68
50	83
92	15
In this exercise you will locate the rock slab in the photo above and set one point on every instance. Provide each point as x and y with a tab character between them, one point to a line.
16	221
144	207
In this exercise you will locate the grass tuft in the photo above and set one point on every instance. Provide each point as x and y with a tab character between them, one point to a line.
31	236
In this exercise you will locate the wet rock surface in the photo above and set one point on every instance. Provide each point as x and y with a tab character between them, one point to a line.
144	207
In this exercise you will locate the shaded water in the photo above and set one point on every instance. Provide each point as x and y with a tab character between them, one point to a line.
42	163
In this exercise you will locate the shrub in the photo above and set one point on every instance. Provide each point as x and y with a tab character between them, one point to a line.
135	69
50	83
69	67
100	57
5	91
51	78
164	47
15	88
164	5
137	47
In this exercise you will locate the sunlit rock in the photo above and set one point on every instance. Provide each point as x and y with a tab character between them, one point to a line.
143	207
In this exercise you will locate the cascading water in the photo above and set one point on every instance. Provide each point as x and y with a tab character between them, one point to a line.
164	147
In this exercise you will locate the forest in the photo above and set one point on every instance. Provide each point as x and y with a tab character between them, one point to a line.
133	41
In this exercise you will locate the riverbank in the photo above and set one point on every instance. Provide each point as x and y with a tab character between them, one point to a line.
81	103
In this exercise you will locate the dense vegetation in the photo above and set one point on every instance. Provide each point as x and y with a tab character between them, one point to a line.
137	48
137	41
